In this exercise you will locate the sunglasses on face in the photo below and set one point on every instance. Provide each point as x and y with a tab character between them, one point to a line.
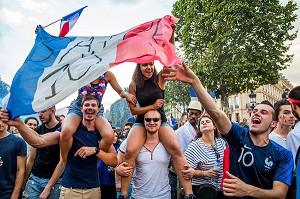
152	119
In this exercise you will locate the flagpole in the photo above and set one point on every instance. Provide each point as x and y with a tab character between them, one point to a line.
52	23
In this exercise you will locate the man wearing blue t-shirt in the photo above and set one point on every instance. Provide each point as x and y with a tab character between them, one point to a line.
259	168
12	163
80	179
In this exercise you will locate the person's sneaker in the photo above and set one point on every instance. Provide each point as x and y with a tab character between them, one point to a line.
190	196
123	197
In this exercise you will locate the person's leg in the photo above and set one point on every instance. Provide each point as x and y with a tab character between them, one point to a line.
169	139
135	141
69	126
106	132
33	188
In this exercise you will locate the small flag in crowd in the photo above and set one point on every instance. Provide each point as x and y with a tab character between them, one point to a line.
193	94
67	22
58	66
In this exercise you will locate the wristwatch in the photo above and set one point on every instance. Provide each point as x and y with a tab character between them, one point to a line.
97	150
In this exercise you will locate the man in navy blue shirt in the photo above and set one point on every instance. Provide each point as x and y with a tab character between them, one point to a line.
80	177
259	168
12	163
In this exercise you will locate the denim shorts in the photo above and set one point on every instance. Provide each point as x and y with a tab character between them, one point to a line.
143	125
35	186
76	105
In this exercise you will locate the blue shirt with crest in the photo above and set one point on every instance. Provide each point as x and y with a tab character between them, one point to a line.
258	166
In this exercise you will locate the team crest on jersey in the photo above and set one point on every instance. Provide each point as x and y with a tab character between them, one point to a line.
268	163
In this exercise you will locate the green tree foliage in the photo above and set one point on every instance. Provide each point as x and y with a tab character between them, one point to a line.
119	113
235	45
177	94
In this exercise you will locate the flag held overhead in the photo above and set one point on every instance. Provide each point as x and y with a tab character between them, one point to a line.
58	66
67	22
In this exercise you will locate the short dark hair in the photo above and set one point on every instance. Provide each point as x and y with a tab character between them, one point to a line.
31	118
128	124
278	104
267	102
295	94
90	97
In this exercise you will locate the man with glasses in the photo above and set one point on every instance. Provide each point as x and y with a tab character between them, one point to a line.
186	134
151	169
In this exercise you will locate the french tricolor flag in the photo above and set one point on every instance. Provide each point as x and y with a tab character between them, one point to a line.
67	22
58	66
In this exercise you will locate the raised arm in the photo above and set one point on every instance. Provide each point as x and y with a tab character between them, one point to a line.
111	79
185	74
29	135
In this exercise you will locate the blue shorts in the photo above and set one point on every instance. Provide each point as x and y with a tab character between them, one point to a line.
75	108
143	125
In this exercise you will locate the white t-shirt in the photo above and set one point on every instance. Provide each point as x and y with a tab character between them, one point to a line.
278	139
151	175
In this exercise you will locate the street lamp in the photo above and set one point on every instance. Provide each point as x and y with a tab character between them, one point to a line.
252	98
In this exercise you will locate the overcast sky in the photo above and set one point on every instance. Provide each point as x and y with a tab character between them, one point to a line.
18	19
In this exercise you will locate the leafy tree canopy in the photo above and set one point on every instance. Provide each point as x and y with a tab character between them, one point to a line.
235	45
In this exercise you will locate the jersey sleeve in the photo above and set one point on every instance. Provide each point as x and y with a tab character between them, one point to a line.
284	171
20	147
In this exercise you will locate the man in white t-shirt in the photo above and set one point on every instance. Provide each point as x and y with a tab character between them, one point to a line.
150	179
286	121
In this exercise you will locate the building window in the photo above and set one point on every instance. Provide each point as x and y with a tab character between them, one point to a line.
237	116
237	102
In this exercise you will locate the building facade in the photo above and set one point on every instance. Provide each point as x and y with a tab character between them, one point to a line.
240	106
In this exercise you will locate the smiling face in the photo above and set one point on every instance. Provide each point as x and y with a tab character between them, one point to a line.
152	121
147	70
261	120
90	109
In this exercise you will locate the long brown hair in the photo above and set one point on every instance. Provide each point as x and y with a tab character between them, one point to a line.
138	77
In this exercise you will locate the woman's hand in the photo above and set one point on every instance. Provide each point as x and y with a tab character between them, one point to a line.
159	103
211	173
130	98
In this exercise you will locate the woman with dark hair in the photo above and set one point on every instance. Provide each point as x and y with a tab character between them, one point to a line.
205	155
148	86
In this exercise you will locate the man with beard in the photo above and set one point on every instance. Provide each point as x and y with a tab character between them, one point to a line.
186	134
80	179
44	166
259	167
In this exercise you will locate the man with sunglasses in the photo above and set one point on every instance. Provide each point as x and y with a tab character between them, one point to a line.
186	134
151	170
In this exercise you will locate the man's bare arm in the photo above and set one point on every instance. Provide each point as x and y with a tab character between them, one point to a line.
29	135
21	162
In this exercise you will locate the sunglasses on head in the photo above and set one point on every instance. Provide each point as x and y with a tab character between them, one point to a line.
152	119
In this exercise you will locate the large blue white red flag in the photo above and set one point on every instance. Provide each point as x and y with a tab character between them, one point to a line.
58	66
67	22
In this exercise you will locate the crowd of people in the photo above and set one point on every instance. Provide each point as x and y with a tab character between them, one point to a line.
147	158
83	156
